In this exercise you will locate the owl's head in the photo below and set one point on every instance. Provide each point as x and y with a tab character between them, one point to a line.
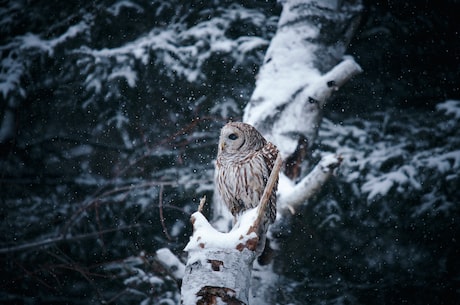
238	137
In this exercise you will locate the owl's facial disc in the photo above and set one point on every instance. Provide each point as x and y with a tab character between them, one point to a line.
232	139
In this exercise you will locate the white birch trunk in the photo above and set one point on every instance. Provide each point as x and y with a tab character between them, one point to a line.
303	66
223	277
298	73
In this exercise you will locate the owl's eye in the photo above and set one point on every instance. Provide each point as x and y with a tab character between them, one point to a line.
232	136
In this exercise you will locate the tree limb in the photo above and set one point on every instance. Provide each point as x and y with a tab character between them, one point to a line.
60	238
309	185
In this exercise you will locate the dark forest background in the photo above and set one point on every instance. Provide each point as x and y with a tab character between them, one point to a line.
110	113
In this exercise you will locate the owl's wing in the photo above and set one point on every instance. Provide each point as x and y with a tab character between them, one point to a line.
270	153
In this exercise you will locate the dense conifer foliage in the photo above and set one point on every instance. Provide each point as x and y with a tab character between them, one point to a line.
109	118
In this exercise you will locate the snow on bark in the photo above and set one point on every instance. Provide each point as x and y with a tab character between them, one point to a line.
300	71
303	66
296	78
219	265
294	195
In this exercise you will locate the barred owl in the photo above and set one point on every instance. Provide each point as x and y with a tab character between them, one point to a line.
244	162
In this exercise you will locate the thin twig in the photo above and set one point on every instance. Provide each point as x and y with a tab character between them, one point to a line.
60	238
69	264
98	197
98	222
118	295
162	219
32	275
202	203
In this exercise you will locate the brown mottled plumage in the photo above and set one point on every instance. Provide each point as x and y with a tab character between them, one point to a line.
244	163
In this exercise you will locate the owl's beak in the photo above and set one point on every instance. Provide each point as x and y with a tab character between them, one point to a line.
222	145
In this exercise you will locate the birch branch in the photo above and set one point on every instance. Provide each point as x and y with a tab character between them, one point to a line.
302	116
309	185
333	80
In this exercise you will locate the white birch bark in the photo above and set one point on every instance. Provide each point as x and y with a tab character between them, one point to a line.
219	265
292	85
303	66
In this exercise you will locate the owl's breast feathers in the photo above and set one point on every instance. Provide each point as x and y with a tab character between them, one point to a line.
243	177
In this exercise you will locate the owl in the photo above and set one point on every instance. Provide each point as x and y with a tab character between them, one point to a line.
245	160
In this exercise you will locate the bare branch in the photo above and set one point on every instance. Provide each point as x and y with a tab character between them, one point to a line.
61	238
162	219
202	203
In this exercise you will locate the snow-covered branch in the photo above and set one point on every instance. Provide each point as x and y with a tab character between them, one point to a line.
295	195
300	72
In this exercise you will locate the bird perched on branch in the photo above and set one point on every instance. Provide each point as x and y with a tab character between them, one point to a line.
245	160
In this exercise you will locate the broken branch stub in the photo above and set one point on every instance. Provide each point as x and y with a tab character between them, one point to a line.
219	264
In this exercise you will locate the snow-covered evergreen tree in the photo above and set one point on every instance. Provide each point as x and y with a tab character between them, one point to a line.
109	116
